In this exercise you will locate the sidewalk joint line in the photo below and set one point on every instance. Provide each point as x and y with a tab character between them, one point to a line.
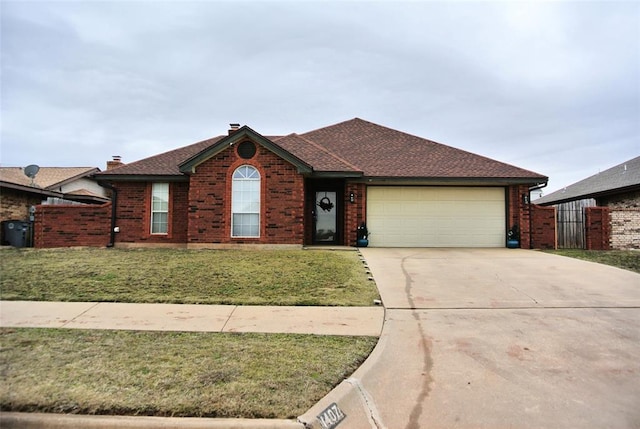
81	314
368	402
228	318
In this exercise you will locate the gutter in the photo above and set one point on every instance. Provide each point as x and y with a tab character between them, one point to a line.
114	204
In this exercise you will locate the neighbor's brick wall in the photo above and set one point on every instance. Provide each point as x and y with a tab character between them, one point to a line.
597	228
133	213
543	227
624	220
282	199
72	225
625	228
14	205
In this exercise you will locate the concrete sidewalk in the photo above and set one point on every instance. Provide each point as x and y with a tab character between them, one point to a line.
366	321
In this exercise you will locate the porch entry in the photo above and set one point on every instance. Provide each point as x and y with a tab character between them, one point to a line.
326	221
326	206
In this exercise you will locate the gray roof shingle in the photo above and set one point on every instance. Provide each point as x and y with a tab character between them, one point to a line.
622	176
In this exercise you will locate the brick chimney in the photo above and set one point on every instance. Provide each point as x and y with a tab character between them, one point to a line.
233	128
116	162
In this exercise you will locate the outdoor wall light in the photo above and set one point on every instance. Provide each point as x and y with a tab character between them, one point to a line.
525	199
352	197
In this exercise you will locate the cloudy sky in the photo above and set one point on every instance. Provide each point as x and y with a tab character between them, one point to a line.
553	87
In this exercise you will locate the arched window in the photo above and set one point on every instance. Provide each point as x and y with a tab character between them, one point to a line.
245	202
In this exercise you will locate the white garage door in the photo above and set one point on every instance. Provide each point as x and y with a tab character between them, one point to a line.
404	216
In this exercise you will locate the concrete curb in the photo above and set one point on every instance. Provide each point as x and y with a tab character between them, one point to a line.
66	421
351	397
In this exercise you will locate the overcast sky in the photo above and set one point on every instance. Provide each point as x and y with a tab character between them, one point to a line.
552	87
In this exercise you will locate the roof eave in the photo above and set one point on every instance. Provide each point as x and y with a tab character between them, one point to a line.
337	174
189	166
30	189
94	199
599	194
449	181
141	178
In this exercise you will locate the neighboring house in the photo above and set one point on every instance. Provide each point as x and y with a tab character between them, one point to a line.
618	186
317	188
51	185
617	189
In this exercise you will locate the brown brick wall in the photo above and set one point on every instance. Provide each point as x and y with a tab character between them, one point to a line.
543	227
355	213
597	228
14	205
72	225
282	200
133	213
519	213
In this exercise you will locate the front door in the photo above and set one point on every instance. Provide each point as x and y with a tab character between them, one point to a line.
326	219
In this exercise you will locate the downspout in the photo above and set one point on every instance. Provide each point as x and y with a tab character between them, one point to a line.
533	188
114	203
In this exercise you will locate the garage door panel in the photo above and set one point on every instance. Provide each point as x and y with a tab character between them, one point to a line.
436	217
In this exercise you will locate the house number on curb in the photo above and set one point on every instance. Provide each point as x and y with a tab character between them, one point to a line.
331	416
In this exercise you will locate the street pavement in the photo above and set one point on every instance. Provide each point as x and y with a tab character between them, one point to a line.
495	338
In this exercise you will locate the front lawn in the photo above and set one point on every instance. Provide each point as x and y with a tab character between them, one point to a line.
172	374
626	259
269	277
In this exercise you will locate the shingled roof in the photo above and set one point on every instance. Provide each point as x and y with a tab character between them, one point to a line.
621	178
47	177
353	147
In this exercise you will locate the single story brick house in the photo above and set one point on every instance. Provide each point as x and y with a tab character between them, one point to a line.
316	188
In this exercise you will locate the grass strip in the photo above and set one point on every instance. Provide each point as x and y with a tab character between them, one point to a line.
625	259
238	277
172	374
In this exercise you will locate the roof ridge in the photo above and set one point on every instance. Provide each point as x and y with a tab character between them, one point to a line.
327	151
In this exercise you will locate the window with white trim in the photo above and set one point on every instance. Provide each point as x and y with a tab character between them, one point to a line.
245	202
160	208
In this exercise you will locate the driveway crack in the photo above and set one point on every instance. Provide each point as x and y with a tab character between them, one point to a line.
416	411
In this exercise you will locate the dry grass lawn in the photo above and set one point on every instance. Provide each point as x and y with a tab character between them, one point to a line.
172	374
241	277
626	259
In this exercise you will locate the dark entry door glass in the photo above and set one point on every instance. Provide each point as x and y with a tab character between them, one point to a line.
326	210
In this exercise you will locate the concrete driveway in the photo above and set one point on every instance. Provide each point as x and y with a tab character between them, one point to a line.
497	338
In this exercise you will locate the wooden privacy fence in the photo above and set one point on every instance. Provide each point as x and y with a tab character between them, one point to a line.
570	223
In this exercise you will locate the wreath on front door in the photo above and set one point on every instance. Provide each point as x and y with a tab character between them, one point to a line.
325	204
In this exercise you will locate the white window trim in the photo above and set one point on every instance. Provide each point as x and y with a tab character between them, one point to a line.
258	212
153	212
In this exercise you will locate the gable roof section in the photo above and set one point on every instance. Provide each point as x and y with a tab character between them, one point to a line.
353	148
164	165
322	160
383	152
49	180
621	178
238	136
47	177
